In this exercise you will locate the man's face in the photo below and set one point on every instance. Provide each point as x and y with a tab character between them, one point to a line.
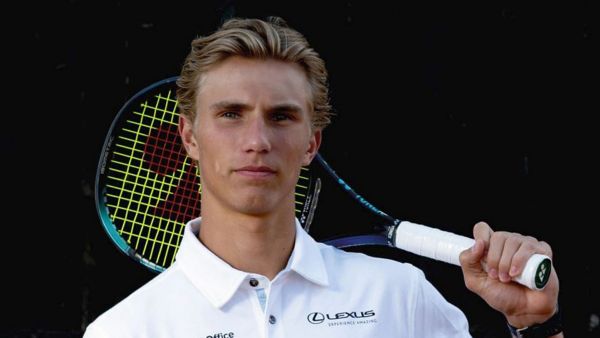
252	134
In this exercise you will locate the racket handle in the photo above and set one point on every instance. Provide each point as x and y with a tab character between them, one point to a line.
446	246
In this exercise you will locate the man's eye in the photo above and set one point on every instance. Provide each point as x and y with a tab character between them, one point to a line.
280	117
230	115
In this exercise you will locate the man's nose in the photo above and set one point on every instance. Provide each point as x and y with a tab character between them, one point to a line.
257	136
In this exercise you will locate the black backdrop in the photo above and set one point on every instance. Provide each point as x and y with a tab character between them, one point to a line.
447	114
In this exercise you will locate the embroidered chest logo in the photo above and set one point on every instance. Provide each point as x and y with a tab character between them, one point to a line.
342	318
222	335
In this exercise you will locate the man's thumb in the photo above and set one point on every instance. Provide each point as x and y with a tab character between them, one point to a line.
470	261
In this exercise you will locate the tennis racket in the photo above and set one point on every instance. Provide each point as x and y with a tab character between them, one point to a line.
147	189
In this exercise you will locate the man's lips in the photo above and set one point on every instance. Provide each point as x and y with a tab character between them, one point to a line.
256	171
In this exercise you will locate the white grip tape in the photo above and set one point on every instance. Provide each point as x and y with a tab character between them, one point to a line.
431	242
446	247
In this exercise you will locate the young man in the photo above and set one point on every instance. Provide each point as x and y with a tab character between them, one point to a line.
254	102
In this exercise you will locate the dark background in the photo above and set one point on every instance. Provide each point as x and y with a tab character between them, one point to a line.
448	113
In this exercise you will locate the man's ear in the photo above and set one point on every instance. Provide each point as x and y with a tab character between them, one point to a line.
313	147
186	131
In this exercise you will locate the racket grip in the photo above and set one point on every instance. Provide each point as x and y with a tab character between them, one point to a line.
446	246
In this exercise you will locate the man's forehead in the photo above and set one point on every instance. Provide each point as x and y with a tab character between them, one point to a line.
237	69
242	81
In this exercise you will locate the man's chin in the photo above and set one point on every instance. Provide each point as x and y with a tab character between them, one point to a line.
256	206
259	201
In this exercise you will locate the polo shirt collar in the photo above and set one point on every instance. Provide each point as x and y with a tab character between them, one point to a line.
218	281
306	258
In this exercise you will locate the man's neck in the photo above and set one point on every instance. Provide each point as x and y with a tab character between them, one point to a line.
259	245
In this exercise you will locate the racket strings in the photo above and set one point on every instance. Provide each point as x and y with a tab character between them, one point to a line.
151	204
163	155
161	151
302	189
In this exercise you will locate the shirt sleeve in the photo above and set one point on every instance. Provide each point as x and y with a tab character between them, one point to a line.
434	316
94	331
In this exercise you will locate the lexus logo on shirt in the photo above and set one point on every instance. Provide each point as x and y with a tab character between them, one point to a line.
319	317
316	318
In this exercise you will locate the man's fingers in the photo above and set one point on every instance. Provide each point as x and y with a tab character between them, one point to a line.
512	245
494	253
528	247
482	231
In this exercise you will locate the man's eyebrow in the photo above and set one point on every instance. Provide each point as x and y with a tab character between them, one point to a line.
286	107
239	106
228	105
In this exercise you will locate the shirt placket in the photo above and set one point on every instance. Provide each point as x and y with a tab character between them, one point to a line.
267	305
273	312
259	289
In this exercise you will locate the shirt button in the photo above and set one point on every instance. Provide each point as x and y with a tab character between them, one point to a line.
253	282
272	319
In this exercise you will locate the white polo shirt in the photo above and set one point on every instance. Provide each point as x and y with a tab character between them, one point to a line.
323	292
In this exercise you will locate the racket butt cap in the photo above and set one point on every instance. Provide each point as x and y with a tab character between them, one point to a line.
536	273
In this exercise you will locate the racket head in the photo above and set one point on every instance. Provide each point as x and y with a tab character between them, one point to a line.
147	188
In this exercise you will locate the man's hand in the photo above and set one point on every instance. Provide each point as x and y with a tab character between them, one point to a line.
505	255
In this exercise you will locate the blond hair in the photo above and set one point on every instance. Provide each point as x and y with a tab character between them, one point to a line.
254	38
